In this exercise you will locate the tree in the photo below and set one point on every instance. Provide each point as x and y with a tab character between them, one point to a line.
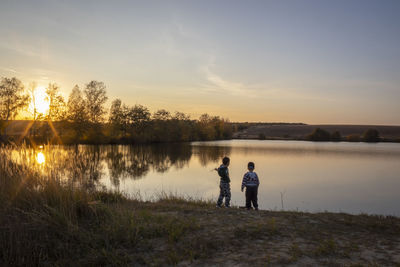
319	135
12	98
161	131
115	118
261	136
95	98
182	127
162	115
76	111
139	115
205	127
371	135
31	90
56	103
353	138
336	136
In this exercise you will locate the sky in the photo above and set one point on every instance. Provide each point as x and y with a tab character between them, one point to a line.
317	62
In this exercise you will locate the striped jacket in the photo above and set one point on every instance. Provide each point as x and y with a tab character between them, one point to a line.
250	179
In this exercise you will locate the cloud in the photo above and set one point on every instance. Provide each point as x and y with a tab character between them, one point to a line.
265	90
9	70
18	47
217	83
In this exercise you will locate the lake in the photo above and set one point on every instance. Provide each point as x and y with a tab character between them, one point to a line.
294	175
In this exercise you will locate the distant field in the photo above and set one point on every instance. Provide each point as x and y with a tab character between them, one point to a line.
300	131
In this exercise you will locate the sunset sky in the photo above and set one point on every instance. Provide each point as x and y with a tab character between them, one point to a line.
291	61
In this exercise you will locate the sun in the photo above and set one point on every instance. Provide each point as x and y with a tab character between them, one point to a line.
40	158
39	100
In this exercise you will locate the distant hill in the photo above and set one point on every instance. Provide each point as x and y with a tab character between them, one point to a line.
299	131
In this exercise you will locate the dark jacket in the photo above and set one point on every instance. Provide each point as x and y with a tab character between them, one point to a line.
223	172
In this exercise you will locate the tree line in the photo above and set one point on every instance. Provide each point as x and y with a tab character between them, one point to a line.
370	135
84	118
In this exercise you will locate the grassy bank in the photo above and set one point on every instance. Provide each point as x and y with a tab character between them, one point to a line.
46	220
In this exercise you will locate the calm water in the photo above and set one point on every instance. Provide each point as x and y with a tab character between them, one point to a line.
307	176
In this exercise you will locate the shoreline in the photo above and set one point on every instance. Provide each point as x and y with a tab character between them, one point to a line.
178	231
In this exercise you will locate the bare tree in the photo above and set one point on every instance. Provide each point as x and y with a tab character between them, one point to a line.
162	115
56	103
95	98
115	118
76	111
31	90
12	98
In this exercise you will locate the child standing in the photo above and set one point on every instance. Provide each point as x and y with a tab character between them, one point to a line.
251	182
224	185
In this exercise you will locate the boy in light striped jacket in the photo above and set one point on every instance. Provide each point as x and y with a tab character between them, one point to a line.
251	182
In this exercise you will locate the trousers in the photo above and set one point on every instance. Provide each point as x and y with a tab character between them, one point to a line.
224	192
251	196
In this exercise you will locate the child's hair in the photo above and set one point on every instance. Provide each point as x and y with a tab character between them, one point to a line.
250	165
225	160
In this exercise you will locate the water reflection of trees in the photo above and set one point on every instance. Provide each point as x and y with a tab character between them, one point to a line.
87	165
84	165
136	161
209	154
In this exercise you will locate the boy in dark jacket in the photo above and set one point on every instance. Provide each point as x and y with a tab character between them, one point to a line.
224	185
251	182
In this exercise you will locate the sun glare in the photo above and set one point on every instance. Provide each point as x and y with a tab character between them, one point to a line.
39	99
40	158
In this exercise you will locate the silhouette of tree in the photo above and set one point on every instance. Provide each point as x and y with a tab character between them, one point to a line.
76	112
353	138
371	135
35	114
160	126
319	135
336	136
56	103
139	116
115	118
162	115
182	127
12	99
95	98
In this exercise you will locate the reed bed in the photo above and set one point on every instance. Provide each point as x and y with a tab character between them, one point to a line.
49	220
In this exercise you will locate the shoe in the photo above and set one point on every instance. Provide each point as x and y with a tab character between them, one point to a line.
256	208
218	206
228	207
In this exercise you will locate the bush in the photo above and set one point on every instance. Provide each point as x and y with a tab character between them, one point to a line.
371	135
319	135
336	136
353	138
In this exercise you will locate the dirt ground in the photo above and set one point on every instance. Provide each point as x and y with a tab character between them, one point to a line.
238	237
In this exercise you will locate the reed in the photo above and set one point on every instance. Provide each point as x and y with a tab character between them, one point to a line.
46	219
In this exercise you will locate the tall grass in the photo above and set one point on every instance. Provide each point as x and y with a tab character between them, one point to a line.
46	219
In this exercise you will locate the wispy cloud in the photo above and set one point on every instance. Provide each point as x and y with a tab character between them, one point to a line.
217	83
21	49
10	70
